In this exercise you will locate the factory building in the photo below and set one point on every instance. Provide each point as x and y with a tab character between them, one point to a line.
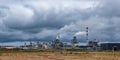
8	47
110	46
36	45
57	44
74	42
93	45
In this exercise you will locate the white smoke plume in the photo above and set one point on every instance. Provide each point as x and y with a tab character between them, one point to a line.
80	33
66	28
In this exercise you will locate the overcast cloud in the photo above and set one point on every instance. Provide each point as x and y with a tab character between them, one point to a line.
43	19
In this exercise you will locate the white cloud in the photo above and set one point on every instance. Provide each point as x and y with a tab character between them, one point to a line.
18	15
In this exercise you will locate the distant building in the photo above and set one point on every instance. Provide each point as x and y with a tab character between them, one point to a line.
38	45
93	45
66	46
8	47
45	46
74	42
110	46
57	44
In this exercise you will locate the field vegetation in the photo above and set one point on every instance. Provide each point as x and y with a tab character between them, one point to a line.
58	55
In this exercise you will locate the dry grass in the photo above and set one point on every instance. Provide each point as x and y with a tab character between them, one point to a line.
58	56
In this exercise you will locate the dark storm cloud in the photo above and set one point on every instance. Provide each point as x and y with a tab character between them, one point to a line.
109	8
43	19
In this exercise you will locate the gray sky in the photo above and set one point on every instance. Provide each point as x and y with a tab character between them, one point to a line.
43	19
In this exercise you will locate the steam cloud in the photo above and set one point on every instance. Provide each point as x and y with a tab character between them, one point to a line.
66	28
80	33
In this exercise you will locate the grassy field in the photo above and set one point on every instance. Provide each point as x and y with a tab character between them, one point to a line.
55	55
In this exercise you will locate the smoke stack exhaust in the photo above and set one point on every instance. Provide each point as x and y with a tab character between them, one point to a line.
80	33
58	36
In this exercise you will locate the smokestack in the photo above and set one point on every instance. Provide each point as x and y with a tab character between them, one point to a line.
87	34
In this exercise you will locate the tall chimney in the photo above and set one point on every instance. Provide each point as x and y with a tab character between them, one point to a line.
87	34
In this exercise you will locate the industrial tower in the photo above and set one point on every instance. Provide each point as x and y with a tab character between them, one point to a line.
87	38
56	43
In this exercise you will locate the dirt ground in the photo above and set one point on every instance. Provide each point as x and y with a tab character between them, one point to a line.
59	56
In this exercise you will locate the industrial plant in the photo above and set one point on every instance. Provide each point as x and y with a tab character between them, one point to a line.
58	44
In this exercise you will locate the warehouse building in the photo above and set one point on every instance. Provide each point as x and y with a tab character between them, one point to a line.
110	46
